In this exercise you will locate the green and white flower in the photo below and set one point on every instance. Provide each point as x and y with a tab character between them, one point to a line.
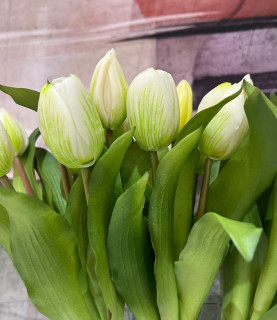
6	151
108	90
16	132
226	130
69	122
153	108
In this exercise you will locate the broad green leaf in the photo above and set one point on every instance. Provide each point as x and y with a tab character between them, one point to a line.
161	223
48	169
76	215
45	253
273	98
202	256
267	285
27	160
94	286
203	117
129	252
100	206
184	203
271	314
25	97
252	168
239	277
134	165
4	230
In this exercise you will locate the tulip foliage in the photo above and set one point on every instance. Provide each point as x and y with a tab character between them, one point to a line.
102	225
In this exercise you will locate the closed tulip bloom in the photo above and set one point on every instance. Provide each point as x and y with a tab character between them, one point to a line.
226	130
153	108
16	132
108	90
69	122
6	151
185	100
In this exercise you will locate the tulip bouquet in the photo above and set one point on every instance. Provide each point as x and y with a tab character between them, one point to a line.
107	215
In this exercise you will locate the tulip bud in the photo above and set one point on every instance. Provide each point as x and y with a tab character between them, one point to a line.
6	151
16	132
69	122
153	108
108	90
185	101
226	130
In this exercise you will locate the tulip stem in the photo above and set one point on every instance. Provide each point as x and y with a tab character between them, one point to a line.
204	188
6	183
86	172
109	138
23	176
65	180
154	164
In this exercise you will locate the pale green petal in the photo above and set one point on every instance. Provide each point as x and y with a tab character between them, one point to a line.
16	132
108	90
226	130
69	123
153	108
214	96
6	151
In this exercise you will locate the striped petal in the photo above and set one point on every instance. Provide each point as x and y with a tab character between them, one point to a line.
153	108
69	123
108	90
16	132
6	151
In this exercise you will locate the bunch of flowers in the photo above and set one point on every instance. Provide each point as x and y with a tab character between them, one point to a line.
111	219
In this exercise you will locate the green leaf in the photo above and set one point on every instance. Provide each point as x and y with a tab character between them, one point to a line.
129	252
239	277
76	215
267	285
48	169
100	206
134	165
271	314
45	253
203	117
252	168
4	230
202	256
273	98
25	97
161	221
184	203
27	160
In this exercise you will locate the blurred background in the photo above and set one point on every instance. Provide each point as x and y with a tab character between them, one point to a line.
202	41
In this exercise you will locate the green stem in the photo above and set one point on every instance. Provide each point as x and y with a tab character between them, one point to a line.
154	164
204	188
65	180
6	183
109	315
23	176
267	284
86	172
109	138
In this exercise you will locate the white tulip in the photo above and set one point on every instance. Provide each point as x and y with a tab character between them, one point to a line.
108	90
226	130
6	151
16	132
69	122
153	108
